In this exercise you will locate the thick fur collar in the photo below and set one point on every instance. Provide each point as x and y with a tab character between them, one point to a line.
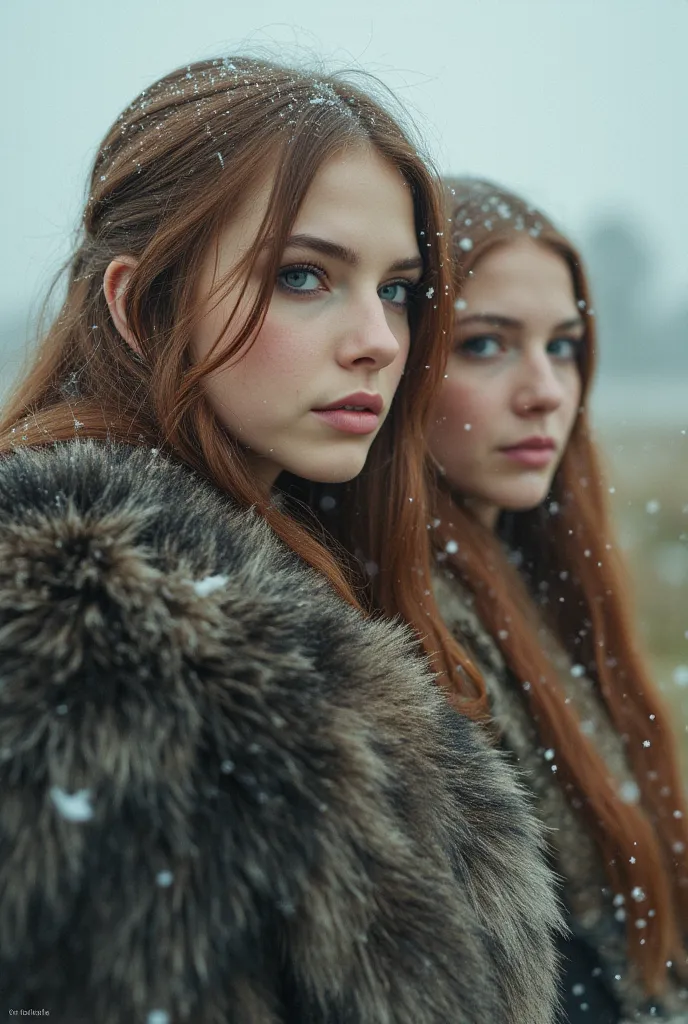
225	797
593	914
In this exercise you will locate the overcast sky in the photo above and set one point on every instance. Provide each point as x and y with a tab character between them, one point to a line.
582	104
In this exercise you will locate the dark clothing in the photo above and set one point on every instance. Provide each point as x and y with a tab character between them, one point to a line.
597	921
585	996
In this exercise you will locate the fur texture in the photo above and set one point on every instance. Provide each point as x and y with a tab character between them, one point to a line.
226	796
594	916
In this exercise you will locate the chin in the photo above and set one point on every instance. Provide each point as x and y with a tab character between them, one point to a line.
332	471
333	475
521	503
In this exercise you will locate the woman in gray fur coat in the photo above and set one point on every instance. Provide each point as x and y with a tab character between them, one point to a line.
231	791
528	576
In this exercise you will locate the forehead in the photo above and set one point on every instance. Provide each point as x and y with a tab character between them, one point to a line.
522	279
356	198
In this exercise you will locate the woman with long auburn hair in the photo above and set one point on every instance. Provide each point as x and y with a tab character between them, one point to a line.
529	573
230	790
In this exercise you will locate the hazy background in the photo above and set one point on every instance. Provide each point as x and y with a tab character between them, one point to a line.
580	104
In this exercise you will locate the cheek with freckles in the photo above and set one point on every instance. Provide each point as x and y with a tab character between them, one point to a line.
260	390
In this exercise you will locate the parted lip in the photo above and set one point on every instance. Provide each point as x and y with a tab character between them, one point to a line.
373	403
535	444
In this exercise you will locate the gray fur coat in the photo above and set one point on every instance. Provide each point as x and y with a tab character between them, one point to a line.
595	917
225	797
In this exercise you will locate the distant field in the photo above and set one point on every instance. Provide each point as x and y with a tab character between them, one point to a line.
648	468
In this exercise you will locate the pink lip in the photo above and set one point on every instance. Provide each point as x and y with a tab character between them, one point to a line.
533	451
352	421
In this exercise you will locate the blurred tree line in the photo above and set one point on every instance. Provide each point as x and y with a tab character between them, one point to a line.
637	339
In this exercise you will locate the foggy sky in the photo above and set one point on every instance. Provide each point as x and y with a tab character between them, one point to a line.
581	104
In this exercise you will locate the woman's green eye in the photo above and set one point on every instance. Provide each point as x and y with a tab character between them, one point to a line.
564	348
482	347
300	280
396	293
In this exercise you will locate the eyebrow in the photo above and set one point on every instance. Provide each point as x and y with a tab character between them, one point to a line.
494	320
345	255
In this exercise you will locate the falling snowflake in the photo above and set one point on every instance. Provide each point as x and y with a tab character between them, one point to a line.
209	584
629	792
72	806
680	675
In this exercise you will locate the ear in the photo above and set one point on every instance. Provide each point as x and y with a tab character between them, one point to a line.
115	283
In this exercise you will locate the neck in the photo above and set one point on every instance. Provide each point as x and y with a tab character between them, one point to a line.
265	472
483	512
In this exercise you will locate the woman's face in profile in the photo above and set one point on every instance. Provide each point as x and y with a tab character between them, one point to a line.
512	387
312	392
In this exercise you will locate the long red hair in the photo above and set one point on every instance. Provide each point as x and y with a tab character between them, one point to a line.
167	177
571	574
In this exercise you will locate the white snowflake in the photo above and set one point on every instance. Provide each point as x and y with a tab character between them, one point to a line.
209	584
72	806
680	675
629	792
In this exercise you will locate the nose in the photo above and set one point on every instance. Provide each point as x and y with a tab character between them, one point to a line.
367	339
539	389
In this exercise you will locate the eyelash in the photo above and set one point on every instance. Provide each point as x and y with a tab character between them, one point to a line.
463	347
307	268
576	345
319	272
